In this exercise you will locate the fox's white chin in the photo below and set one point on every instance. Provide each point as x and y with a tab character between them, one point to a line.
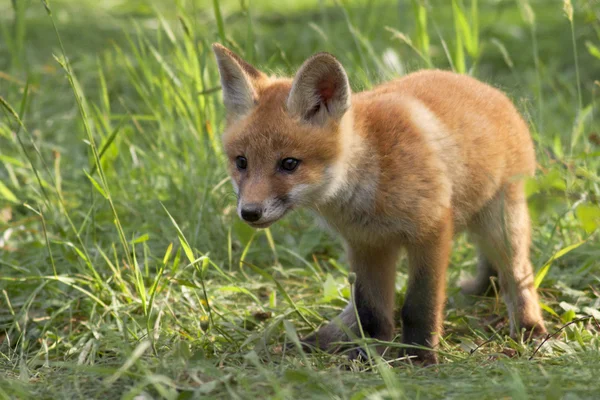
261	225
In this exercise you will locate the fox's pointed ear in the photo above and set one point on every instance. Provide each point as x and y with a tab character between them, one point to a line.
320	90
238	81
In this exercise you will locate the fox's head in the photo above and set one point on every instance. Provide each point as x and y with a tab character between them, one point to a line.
284	137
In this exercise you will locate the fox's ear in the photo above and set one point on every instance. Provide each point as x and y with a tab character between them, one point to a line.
238	81
320	90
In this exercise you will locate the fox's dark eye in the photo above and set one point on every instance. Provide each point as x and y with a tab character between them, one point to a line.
289	164
241	162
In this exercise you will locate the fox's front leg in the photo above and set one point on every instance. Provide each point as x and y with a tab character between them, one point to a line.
375	269
422	313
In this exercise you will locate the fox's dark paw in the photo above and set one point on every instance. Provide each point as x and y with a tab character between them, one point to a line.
420	357
358	354
308	346
531	332
313	343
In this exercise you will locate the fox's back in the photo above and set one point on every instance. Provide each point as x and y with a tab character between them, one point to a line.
448	137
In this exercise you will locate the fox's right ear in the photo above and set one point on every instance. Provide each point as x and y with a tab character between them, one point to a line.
320	91
238	81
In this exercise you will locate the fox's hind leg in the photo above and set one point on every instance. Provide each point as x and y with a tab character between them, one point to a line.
502	232
480	284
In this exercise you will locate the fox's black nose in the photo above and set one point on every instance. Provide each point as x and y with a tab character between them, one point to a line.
251	212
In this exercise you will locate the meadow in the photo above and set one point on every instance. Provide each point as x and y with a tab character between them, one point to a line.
125	271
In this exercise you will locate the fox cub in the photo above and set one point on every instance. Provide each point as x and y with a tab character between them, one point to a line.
405	165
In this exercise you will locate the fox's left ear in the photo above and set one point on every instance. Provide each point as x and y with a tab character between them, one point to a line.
238	81
320	90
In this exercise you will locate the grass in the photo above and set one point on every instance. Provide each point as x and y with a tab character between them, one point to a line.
124	270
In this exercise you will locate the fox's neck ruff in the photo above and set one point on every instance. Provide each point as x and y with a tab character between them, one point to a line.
346	182
348	202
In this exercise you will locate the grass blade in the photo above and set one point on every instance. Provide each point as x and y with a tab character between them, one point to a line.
541	274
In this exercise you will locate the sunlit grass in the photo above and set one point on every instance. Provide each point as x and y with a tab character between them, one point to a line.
124	269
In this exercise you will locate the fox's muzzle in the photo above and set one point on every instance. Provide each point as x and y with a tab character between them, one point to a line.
251	212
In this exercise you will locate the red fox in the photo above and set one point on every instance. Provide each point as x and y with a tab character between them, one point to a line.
405	165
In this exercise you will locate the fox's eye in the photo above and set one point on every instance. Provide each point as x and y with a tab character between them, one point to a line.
241	162
289	164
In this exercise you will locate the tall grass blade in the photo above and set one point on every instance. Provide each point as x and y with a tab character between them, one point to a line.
420	12
459	52
80	99
220	23
541	274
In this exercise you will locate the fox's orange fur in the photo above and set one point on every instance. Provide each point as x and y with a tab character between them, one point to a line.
405	165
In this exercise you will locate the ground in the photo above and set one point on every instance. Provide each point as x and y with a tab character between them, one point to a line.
124	270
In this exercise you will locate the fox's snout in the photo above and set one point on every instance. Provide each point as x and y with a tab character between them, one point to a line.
259	203
254	199
262	214
251	212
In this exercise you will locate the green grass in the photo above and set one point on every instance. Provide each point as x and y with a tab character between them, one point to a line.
124	270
